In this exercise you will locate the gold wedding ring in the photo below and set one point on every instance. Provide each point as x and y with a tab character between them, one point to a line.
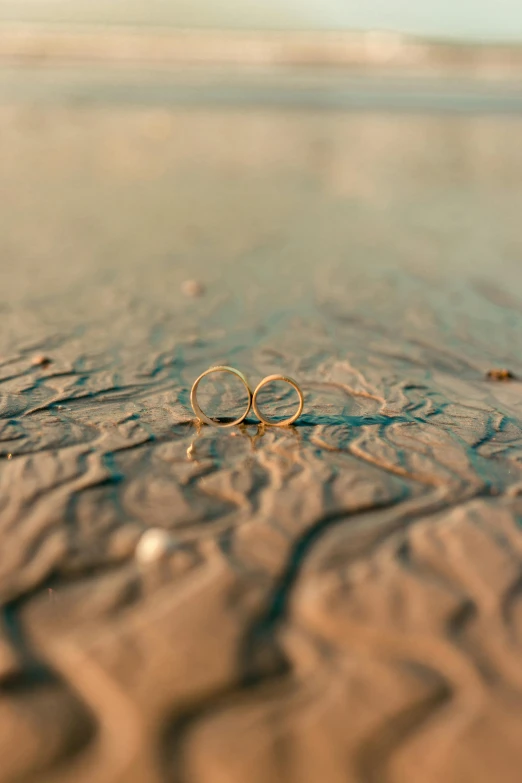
194	401
285	422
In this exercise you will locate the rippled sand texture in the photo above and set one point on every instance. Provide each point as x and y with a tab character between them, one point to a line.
342	600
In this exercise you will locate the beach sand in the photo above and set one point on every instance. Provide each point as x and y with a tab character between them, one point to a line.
336	602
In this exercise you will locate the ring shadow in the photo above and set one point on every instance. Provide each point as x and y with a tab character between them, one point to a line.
312	420
309	420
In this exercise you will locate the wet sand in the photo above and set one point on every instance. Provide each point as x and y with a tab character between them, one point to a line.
341	600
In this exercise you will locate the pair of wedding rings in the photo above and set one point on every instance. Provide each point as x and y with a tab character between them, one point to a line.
252	399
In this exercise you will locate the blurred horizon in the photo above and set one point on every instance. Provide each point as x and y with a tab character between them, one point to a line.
488	21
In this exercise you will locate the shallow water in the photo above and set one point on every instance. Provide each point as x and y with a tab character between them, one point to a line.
342	599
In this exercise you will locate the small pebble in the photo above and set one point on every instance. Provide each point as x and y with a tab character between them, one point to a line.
500	375
154	545
40	360
192	288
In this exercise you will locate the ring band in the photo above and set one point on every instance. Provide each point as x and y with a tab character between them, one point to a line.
194	401
285	422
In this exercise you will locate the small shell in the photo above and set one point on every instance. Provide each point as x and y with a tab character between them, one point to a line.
154	545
